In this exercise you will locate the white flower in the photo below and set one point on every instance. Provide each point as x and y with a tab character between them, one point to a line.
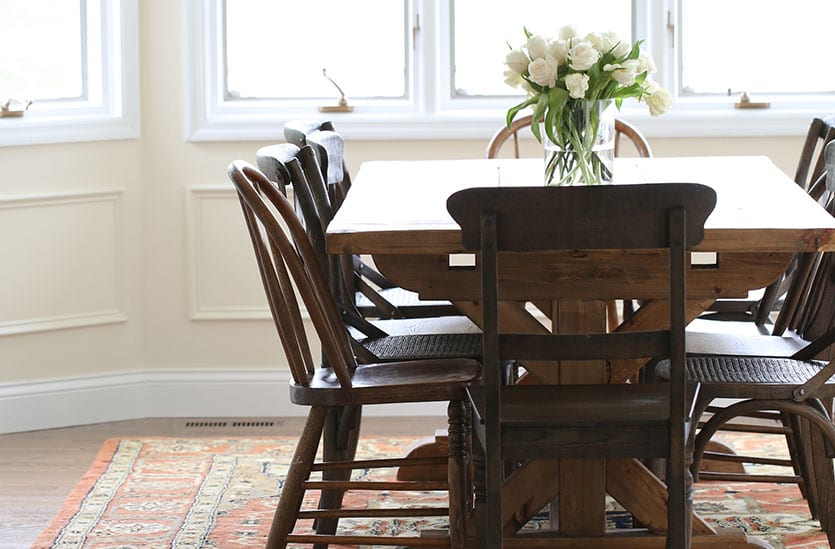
656	97
582	56
597	41
645	63
512	78
568	32
618	47
543	71
559	51
537	47
517	61
577	83
624	73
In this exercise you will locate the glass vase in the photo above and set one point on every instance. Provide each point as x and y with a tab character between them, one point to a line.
583	149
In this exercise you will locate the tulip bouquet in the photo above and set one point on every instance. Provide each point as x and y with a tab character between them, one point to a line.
571	82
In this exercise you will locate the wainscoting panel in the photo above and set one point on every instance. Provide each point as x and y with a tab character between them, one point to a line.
224	282
62	261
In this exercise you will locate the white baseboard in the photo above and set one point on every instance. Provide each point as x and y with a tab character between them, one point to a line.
29	406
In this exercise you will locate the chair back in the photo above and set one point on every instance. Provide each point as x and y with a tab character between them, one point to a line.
296	131
331	144
271	160
622	129
289	266
581	421
531	219
330	151
811	163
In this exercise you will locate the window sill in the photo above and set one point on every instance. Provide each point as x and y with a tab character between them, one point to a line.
32	129
718	120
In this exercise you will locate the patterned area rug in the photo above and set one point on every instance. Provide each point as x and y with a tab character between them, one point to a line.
221	492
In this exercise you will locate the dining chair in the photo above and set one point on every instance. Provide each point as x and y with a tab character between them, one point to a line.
760	305
795	389
289	267
374	340
375	295
623	129
522	422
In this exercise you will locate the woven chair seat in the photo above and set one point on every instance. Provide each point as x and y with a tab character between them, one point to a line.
423	346
742	369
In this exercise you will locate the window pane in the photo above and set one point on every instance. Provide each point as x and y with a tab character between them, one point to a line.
483	29
278	49
782	48
40	49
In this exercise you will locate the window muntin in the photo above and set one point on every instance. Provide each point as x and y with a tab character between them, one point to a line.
362	44
482	30
759	47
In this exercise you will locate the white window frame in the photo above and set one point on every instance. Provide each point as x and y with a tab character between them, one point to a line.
431	112
111	109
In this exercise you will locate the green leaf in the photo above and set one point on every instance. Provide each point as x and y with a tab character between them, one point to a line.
538	111
513	111
557	99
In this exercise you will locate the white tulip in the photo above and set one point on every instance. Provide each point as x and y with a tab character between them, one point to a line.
624	73
559	51
543	71
568	32
537	47
582	56
517	61
656	97
577	83
618	47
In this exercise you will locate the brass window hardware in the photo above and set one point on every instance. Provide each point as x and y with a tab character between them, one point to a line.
13	108
342	105
746	103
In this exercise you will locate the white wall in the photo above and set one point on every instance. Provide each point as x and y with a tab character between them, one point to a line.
129	289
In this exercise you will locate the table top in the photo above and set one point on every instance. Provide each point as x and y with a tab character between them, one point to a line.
399	207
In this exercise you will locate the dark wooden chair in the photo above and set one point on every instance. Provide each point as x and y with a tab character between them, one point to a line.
375	295
289	267
623	129
796	390
522	422
760	305
803	318
373	340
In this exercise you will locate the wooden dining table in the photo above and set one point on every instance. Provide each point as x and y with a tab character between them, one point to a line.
396	212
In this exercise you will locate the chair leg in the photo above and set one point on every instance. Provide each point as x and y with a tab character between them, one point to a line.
479	495
457	472
292	493
339	441
824	479
679	499
803	455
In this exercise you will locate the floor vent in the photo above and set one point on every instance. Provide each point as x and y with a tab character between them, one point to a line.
206	424
253	424
236	423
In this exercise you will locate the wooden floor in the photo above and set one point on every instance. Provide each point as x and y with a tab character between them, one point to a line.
38	469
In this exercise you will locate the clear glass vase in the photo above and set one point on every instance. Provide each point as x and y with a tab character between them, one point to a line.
583	151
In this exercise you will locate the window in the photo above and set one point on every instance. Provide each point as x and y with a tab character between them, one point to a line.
267	29
82	81
478	50
794	63
421	68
